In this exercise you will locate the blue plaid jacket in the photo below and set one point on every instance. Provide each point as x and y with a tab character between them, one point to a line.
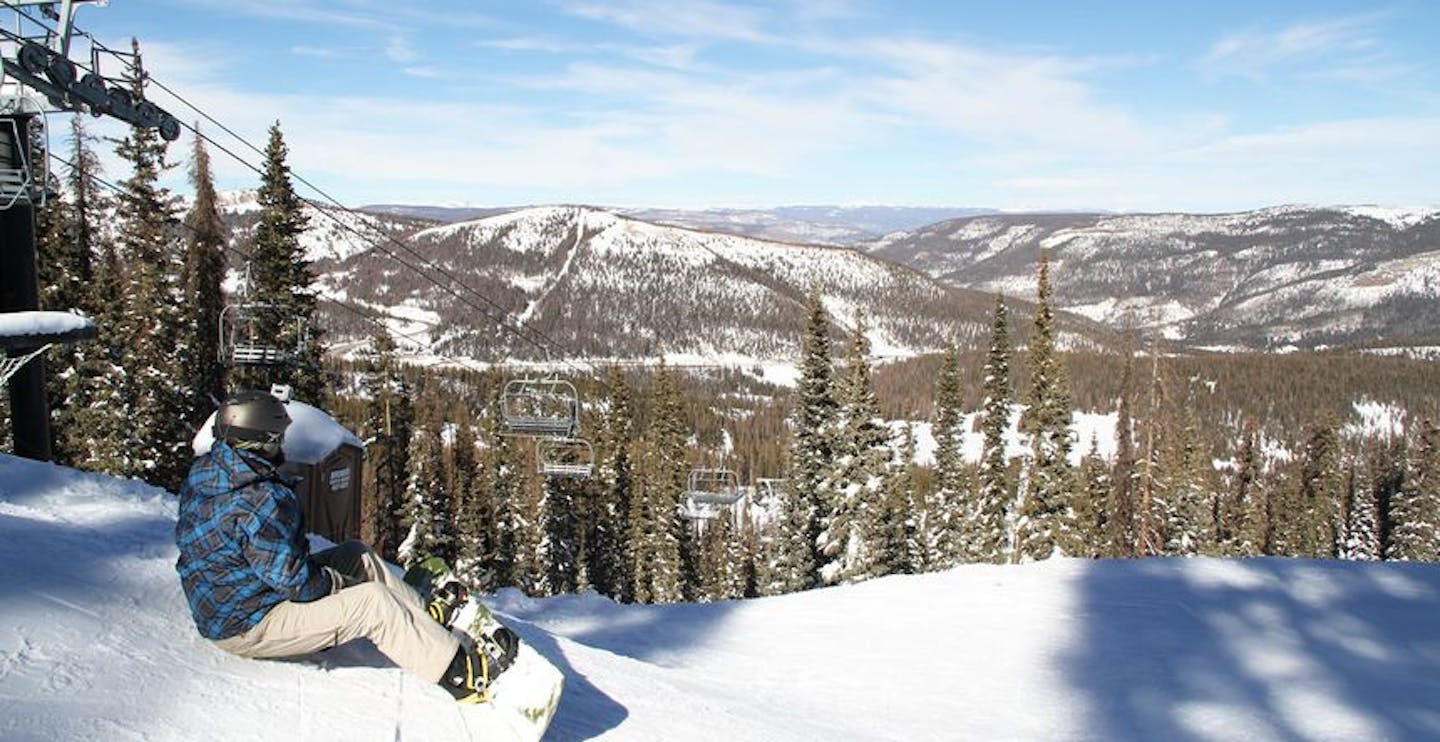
242	543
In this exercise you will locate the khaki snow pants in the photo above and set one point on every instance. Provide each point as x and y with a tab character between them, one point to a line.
382	608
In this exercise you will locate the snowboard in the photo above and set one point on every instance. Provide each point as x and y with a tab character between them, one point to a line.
524	698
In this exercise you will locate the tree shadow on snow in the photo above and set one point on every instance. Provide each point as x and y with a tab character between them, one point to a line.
1276	649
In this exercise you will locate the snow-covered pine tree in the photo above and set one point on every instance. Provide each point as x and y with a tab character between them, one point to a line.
1120	519
1188	527
714	543
387	430
91	419
474	512
945	537
527	525
894	532
429	509
1093	504
996	490
1238	524
1415	508
1315	526
154	312
850	544
558	551
1385	465
1361	535
614	479
204	272
502	482
655	525
794	562
1047	525
1152	479
281	277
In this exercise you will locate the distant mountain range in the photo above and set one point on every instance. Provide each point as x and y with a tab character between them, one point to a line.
817	225
590	283
1286	276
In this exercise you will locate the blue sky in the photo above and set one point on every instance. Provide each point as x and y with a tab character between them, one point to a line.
1197	106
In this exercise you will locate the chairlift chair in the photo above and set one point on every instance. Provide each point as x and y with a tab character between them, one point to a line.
572	458
16	178
713	487
249	336
540	408
699	511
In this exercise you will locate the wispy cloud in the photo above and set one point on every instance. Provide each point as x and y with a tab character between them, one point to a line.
1349	43
699	19
399	49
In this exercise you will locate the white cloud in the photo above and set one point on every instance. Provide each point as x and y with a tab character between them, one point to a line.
399	49
701	19
1349	43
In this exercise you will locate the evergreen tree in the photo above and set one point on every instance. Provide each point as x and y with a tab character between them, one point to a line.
850	544
1047	525
558	550
527	530
388	424
945	519
1315	525
157	441
281	277
996	491
474	513
795	563
429	507
91	420
503	480
1120	520
1385	465
655	526
1153	485
1095	486
895	531
1415	509
1361	534
204	272
614	484
1187	522
1238	525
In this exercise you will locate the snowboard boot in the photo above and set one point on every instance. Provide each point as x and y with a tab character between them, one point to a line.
477	663
446	601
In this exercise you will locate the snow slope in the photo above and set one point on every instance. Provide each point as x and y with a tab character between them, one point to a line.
96	644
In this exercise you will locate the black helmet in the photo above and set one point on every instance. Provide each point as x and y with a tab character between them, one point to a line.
253	421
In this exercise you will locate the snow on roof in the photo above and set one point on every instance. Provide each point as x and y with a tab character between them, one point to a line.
313	434
21	328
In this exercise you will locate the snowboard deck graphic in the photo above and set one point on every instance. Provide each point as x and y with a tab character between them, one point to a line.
524	698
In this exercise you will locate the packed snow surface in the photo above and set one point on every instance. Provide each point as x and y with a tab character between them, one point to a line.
96	644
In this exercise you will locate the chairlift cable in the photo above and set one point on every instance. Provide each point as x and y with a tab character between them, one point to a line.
529	335
368	315
545	343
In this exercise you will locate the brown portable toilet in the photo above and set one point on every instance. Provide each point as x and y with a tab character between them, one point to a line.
328	459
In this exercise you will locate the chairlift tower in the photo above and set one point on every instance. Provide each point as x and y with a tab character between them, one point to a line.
37	76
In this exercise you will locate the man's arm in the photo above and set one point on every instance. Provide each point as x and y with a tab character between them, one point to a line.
277	551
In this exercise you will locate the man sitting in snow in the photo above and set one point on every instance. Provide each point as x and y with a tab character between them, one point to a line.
255	589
